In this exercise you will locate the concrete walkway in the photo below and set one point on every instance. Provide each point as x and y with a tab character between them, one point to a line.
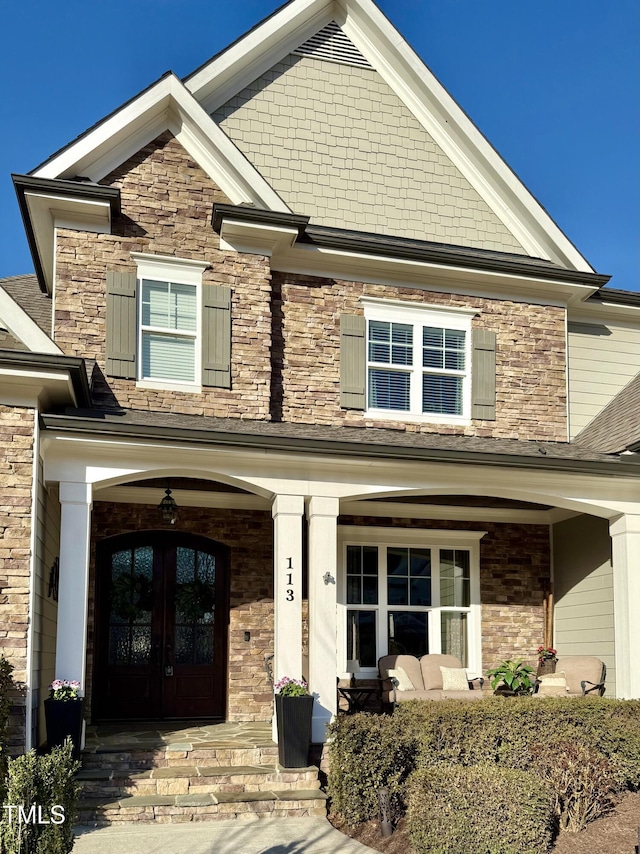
250	836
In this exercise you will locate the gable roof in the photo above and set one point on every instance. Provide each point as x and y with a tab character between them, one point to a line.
617	427
228	73
184	109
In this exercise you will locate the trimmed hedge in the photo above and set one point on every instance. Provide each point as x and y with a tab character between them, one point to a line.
367	753
478	809
370	752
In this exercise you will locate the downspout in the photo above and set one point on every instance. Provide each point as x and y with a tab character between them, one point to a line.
32	581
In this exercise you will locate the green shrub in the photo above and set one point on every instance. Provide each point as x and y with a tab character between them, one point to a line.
581	779
6	686
479	810
42	794
502	731
367	753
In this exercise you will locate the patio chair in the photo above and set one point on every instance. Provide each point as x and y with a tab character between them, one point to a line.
584	676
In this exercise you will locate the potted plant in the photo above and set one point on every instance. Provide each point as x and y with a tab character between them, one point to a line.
294	710
63	714
547	658
512	678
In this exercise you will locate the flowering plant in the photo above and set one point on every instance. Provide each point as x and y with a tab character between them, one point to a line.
63	689
288	687
547	653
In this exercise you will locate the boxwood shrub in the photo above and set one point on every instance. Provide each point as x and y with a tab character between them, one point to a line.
478	809
370	752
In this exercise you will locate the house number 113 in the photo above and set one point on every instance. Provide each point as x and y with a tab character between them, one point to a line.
289	589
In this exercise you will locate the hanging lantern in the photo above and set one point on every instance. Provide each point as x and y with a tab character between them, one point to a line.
168	508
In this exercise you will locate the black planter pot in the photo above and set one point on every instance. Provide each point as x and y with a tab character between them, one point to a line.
293	715
64	719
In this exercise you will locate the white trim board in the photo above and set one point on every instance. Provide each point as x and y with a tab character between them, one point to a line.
22	327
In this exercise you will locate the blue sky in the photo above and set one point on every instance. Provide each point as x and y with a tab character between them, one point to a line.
554	85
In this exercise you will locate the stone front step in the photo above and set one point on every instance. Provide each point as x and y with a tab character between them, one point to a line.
179	755
195	780
202	807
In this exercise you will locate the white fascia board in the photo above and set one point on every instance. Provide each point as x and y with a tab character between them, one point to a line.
47	211
22	327
167	105
594	311
27	387
242	63
305	259
457	513
456	134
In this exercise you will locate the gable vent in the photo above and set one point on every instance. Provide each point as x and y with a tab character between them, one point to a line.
332	44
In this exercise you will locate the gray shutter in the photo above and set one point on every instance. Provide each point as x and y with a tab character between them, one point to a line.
483	393
216	336
352	361
121	325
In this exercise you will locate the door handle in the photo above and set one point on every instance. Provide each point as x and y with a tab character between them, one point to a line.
168	658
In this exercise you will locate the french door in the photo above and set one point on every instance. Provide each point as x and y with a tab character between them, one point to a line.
162	613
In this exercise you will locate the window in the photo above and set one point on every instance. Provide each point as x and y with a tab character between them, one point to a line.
418	360
169	321
168	331
410	592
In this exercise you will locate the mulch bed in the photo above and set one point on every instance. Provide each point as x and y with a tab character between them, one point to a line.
615	834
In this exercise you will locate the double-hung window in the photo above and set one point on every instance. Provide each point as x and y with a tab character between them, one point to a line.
418	360
410	592
169	321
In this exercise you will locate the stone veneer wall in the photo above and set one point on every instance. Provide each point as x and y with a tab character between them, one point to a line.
166	210
16	484
515	567
530	357
248	533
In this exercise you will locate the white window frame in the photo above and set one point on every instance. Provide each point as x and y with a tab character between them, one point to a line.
179	271
419	315
408	538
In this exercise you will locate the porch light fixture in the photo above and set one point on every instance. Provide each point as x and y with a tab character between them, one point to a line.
168	508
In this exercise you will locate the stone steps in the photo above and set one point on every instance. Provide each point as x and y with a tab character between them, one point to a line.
195	779
172	809
122	758
202	781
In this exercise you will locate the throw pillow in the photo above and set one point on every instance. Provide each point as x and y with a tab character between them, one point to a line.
405	684
454	679
553	685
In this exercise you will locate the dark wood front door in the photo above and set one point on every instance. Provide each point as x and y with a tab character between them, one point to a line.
162	613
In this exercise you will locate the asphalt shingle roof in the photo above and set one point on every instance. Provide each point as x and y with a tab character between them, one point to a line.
374	438
617	426
25	291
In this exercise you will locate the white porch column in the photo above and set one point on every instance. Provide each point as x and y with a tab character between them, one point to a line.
73	591
287	511
625	538
323	577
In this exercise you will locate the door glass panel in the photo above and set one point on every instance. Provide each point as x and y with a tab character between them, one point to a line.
408	633
131	601
195	607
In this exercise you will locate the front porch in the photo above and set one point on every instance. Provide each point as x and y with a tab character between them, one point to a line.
487	542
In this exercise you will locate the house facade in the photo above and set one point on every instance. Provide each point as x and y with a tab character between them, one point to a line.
300	295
